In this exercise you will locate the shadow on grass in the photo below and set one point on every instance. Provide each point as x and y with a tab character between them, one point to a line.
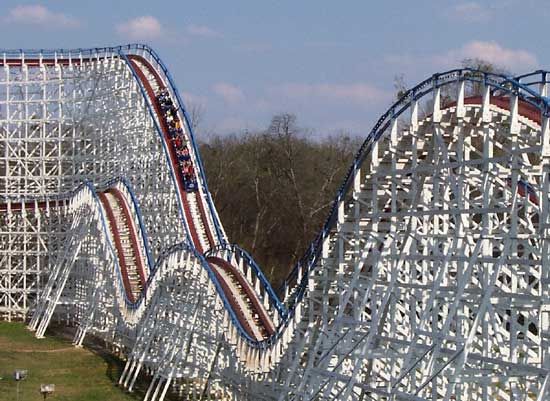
115	365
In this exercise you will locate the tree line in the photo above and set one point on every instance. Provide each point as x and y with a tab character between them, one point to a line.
273	189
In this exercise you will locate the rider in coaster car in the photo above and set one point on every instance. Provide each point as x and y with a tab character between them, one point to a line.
161	95
186	164
191	170
190	185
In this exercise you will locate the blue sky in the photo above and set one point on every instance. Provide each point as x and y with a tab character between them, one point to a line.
332	63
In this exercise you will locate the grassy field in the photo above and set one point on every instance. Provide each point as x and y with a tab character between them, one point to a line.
78	374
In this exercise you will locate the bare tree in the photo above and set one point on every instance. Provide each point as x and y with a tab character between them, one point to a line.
274	188
195	113
475	88
399	85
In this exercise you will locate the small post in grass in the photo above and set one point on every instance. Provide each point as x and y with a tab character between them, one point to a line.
18	375
47	389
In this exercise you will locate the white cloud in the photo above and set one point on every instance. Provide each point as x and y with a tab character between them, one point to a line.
35	14
202	31
470	12
229	93
358	93
513	59
140	28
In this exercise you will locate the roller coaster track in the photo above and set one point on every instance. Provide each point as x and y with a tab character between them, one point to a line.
429	279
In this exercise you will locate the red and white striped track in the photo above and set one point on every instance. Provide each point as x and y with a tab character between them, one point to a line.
243	298
428	280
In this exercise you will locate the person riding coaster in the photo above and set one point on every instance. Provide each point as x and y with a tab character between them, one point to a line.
161	96
191	184
173	133
178	143
188	175
183	158
187	168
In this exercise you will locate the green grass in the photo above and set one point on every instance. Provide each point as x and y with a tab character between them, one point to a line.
78	374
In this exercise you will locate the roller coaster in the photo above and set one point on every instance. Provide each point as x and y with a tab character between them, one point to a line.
429	280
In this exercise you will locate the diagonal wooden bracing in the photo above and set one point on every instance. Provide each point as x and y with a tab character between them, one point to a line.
429	281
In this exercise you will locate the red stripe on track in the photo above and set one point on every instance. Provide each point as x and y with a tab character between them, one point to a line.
164	127
232	298
171	150
18	206
133	235
256	305
525	109
118	246
35	62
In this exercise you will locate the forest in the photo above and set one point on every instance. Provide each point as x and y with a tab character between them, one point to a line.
273	189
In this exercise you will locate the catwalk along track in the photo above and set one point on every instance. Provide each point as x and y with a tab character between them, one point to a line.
428	281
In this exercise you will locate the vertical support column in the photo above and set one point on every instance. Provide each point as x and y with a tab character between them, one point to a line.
374	163
486	104
513	228
544	232
341	235
487	220
436	113
543	88
514	120
393	186
460	109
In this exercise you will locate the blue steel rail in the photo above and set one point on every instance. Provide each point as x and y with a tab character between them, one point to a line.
119	51
164	69
495	81
307	263
153	268
234	249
